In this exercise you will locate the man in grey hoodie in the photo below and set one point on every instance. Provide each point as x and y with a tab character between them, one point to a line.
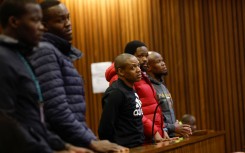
156	70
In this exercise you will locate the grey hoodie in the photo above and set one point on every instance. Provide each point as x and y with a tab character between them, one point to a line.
164	96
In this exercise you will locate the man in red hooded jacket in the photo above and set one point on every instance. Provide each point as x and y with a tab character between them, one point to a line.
145	91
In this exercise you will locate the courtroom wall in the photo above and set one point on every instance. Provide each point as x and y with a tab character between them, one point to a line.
202	42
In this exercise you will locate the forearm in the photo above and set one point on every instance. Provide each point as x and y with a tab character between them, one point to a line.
170	127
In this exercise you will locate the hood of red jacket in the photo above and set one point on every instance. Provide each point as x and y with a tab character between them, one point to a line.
110	72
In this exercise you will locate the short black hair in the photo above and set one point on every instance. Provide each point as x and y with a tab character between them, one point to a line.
10	8
132	46
45	5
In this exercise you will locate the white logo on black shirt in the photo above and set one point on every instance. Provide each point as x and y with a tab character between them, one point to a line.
138	111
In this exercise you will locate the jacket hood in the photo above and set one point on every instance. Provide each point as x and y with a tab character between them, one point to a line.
111	74
154	81
62	45
11	42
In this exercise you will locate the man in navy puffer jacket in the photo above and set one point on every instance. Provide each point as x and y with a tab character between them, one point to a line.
61	84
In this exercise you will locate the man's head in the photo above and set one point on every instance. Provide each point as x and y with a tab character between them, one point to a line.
127	68
156	65
139	50
190	120
56	19
21	20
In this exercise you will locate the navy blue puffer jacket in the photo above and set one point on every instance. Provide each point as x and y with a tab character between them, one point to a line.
62	89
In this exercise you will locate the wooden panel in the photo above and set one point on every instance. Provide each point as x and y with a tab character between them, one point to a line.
211	82
202	42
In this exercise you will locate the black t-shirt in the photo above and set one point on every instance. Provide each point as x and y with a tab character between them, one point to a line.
121	120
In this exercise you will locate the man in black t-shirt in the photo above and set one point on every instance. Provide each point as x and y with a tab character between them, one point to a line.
121	120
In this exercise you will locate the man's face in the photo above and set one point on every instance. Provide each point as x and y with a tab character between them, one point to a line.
30	28
157	65
58	22
131	72
142	55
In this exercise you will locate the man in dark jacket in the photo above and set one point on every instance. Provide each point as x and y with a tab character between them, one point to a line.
156	70
20	101
61	84
121	120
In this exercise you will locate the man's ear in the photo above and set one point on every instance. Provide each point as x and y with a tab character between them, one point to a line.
120	72
13	22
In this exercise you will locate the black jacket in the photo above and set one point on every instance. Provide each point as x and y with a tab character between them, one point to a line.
19	98
121	120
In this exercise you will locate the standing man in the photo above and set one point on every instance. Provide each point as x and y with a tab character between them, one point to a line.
156	71
20	100
61	85
145	91
121	120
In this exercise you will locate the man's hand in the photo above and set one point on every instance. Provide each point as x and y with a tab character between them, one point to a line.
158	137
107	146
166	136
74	149
182	129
